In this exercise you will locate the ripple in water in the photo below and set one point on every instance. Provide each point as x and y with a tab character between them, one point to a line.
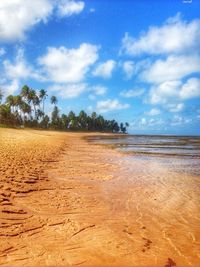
180	153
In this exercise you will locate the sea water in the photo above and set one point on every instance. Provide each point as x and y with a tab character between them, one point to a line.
180	153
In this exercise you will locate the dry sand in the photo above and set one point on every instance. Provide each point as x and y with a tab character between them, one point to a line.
65	202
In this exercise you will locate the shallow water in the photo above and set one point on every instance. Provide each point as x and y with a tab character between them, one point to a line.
177	153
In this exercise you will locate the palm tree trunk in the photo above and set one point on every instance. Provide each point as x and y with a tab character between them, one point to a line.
43	108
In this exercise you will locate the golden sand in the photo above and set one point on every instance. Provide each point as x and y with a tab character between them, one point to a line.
65	202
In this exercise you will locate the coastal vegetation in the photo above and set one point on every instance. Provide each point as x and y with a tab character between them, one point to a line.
28	110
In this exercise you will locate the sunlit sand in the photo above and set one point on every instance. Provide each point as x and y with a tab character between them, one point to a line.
65	201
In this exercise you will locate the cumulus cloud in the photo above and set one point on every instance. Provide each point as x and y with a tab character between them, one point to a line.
128	68
63	65
162	93
69	7
173	68
17	70
74	90
173	91
154	112
97	90
110	105
132	93
68	90
190	89
20	69
174	36
105	69
2	51
144	123
175	107
179	120
18	16
10	88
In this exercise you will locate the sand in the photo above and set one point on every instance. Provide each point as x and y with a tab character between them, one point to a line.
67	202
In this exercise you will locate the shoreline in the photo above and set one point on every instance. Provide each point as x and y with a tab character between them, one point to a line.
68	202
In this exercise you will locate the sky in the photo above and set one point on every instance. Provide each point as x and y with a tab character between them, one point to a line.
137	61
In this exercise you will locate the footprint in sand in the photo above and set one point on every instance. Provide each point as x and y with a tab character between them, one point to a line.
170	263
147	244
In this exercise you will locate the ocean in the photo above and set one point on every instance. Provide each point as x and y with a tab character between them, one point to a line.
180	153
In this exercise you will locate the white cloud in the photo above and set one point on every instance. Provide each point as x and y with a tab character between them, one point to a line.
97	90
174	36
10	88
179	120
67	8
154	112
73	90
190	89
69	90
64	65
110	105
92	10
128	68
18	16
162	93
175	107
13	72
105	69
2	51
144	123
173	91
132	93
173	68
20	69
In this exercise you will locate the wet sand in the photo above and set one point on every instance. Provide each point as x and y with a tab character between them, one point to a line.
67	202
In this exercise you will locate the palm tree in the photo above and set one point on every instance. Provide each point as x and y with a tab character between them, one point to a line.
17	102
42	96
54	100
25	108
1	96
73	123
5	114
18	108
100	123
94	120
127	125
64	121
45	122
121	127
55	117
32	97
36	103
25	91
10	101
82	118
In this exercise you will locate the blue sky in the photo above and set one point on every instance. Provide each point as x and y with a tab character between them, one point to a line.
135	61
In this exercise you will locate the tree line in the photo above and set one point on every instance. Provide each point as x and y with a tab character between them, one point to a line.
27	110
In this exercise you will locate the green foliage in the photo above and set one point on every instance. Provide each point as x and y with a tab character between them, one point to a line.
17	111
54	100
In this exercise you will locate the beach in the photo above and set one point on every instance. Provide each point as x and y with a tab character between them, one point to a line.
68	202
